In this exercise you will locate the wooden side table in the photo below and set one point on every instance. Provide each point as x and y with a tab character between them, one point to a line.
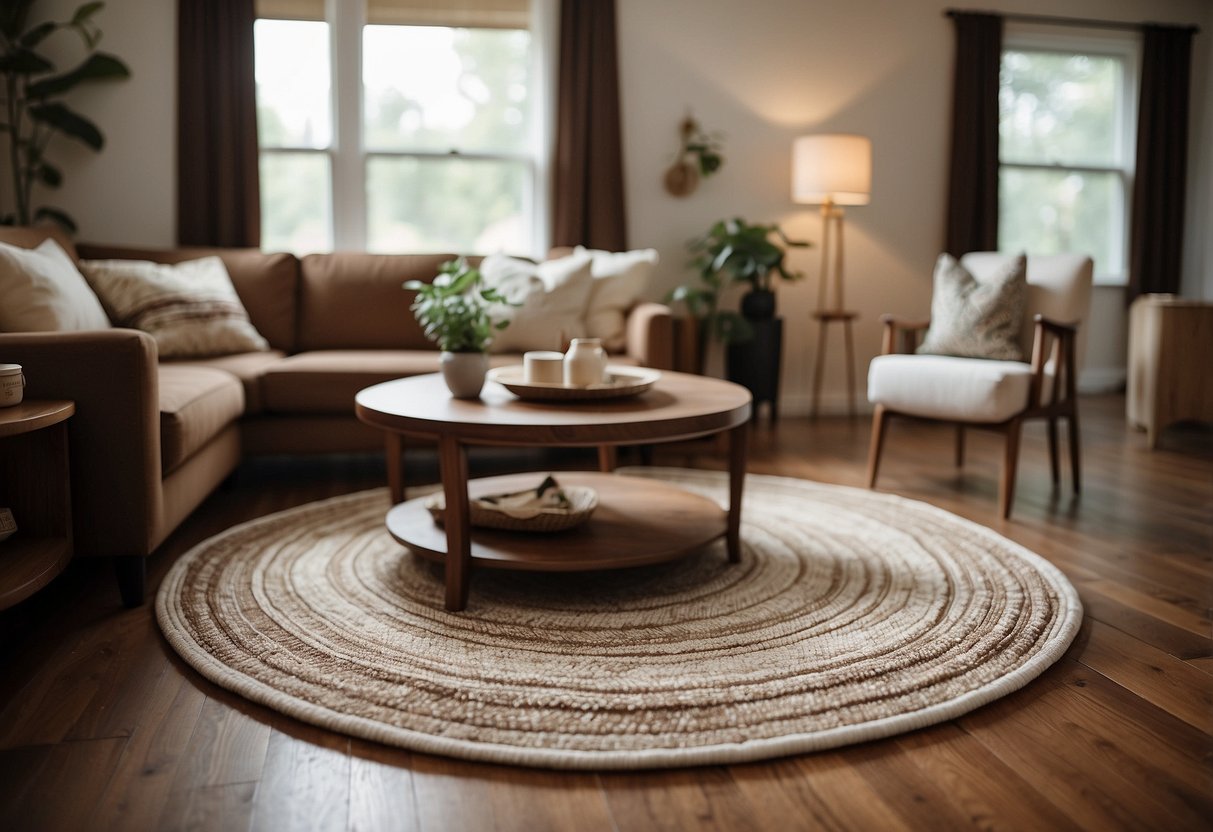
35	484
1170	340
824	319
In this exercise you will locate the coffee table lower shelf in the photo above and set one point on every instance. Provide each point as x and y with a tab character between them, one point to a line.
638	522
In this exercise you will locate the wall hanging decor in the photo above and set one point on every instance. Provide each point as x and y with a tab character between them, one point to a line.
699	155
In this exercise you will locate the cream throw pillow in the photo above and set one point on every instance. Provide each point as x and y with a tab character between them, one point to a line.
620	279
975	317
190	308
553	295
41	290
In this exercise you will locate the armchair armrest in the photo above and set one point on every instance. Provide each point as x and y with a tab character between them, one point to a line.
650	335
907	329
1052	344
114	437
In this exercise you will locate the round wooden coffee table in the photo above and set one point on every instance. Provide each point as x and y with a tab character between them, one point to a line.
638	520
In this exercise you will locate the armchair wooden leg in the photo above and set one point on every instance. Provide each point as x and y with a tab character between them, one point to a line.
1010	464
1075	467
960	446
880	423
1053	465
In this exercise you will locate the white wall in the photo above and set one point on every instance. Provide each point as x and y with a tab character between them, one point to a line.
127	193
763	72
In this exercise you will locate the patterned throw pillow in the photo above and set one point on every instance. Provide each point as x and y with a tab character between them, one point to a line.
190	308
975	317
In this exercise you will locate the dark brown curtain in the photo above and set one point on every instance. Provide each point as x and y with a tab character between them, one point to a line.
588	206
218	190
972	220
1157	229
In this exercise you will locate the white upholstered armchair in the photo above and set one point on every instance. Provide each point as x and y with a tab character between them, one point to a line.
1000	395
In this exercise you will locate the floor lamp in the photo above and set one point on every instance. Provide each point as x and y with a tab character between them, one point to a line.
832	170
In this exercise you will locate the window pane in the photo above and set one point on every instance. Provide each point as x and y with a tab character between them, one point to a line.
1060	108
457	205
292	69
295	200
1051	212
436	88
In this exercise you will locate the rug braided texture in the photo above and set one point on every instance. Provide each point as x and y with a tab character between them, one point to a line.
853	615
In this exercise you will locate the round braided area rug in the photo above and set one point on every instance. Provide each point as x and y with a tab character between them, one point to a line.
853	615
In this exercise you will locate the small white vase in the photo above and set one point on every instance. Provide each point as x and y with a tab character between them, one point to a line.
464	373
585	363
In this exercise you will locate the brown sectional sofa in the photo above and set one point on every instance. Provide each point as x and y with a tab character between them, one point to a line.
150	440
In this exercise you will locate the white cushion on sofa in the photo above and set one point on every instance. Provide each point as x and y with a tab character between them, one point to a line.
552	294
620	279
945	387
43	291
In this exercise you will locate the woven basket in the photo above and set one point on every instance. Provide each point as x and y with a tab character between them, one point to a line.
583	500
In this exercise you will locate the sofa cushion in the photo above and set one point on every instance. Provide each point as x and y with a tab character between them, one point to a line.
196	404
268	284
551	299
620	279
43	291
355	301
26	237
945	387
246	366
191	308
326	381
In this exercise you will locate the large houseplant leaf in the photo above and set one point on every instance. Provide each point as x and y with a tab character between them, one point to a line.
22	61
69	122
97	67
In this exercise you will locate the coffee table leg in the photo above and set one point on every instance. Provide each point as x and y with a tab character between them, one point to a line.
394	448
606	458
458	532
738	447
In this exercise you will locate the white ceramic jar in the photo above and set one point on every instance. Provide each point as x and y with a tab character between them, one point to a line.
543	367
12	385
585	363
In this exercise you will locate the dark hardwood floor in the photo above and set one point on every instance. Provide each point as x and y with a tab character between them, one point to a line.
102	727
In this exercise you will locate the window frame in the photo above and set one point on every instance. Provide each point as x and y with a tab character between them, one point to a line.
1124	46
349	158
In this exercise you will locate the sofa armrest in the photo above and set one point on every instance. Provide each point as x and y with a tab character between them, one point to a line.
650	335
114	437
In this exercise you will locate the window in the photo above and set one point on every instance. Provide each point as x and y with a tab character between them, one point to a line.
401	126
1067	122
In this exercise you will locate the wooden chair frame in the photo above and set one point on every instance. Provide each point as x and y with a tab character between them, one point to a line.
1052	344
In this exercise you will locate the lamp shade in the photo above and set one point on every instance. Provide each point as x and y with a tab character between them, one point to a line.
835	167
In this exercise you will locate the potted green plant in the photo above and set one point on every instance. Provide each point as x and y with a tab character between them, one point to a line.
32	109
735	252
455	313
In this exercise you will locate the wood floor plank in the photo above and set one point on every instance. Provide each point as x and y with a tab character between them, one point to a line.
1157	677
824	789
697	799
36	779
226	808
225	747
1103	767
381	789
146	771
305	783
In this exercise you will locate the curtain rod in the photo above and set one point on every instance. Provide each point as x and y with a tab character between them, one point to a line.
1073	21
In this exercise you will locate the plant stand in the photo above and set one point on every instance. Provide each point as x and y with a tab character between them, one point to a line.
755	364
824	319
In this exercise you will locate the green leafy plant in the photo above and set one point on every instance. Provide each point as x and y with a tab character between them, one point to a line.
455	311
32	112
733	252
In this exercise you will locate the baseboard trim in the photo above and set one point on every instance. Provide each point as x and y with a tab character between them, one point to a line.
1102	380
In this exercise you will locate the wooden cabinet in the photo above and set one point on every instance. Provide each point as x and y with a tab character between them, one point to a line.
1170	344
35	485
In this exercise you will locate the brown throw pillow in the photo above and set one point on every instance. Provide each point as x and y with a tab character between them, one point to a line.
974	317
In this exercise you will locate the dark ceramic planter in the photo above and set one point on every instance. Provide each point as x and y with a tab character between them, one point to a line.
758	305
